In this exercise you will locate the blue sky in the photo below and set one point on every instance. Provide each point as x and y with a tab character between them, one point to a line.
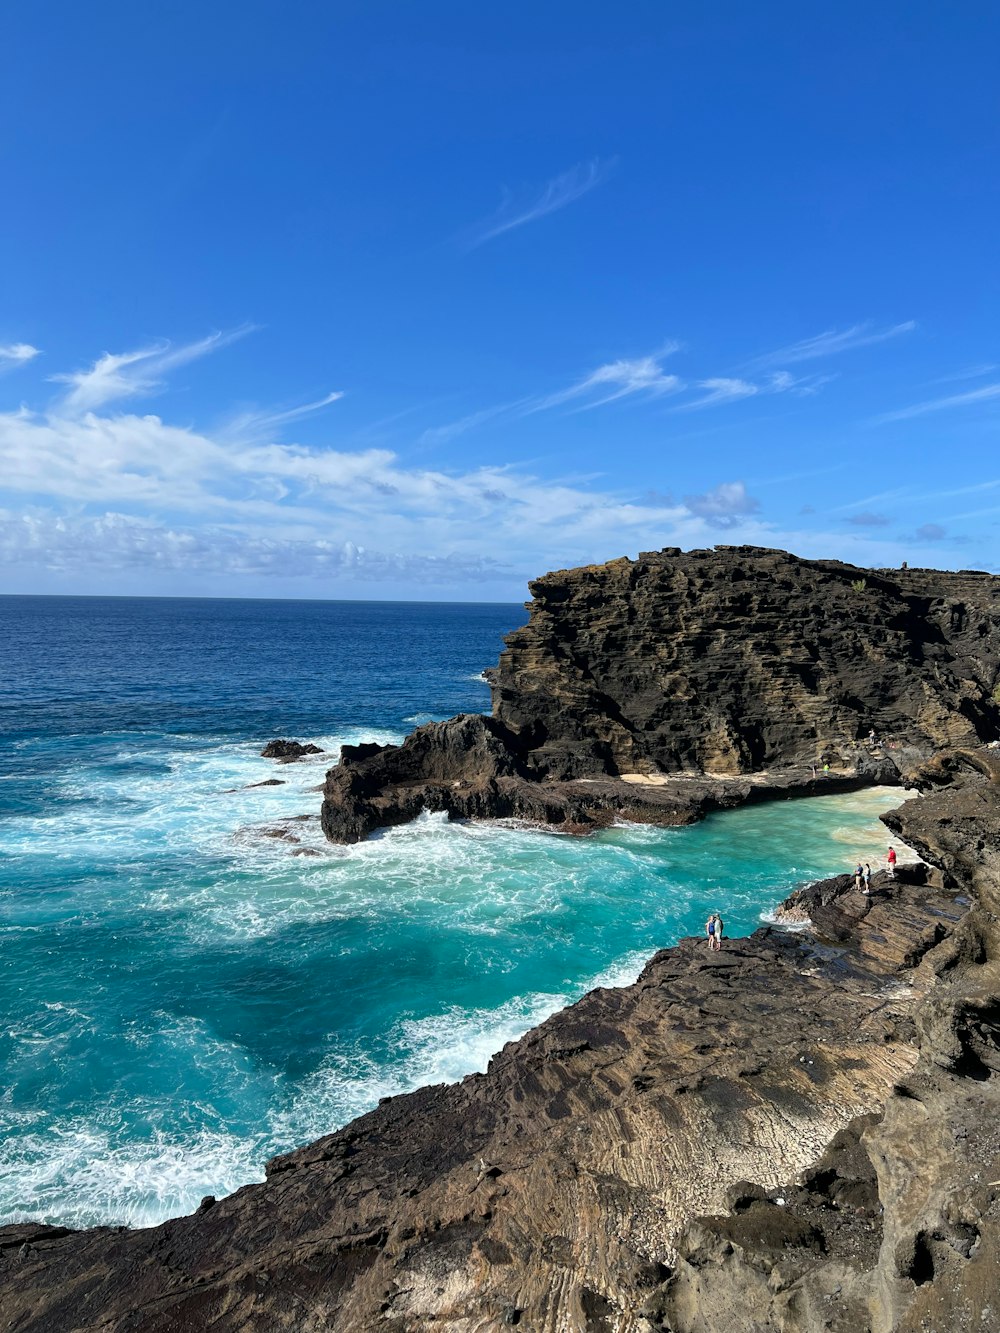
397	300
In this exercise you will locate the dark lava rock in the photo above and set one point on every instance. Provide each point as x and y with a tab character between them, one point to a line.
660	688
739	658
286	750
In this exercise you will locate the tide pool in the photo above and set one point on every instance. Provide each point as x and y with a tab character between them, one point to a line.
193	980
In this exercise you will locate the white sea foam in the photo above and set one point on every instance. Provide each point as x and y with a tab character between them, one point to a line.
481	880
177	796
771	918
79	1174
439	1048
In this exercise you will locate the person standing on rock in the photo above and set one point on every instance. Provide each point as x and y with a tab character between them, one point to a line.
891	861
859	874
713	930
867	879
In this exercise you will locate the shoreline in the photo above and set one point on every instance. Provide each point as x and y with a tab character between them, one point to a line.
564	1073
667	904
797	1132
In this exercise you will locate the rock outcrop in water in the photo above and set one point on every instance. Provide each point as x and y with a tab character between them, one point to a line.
658	688
287	751
801	1132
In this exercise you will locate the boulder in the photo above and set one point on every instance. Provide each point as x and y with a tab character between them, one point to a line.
286	750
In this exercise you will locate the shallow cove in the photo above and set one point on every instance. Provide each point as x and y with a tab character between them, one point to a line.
178	1020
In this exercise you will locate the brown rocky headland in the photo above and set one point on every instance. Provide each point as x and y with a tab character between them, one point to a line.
800	1132
660	688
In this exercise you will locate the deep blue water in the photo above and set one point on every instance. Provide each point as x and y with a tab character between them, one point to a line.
191	979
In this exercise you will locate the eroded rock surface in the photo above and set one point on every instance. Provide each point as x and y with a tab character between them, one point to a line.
933	1154
656	689
739	659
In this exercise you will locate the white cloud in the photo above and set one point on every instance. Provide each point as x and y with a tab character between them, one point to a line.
16	354
617	379
987	392
832	343
115	541
725	505
968	373
260	423
642	376
721	390
436	435
801	386
121	491
134	374
557	193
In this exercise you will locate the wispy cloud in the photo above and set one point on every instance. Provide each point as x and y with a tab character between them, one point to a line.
967	373
800	386
557	193
641	376
114	376
436	435
832	343
617	379
903	495
257	423
721	390
16	354
955	400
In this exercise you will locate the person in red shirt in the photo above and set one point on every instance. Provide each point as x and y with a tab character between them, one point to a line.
891	859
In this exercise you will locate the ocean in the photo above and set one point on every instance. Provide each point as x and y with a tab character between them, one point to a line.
192	979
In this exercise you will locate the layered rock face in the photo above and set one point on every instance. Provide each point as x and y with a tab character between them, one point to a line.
660	688
737	659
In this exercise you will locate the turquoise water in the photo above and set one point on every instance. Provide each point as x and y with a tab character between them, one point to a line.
185	994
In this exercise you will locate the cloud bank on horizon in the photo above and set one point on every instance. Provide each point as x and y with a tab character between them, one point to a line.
91	490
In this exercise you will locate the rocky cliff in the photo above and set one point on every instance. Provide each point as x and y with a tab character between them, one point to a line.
658	688
738	659
801	1132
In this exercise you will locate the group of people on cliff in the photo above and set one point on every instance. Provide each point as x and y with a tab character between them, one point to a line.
714	926
863	872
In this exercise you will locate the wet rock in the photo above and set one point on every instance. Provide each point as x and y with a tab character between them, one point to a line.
287	751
